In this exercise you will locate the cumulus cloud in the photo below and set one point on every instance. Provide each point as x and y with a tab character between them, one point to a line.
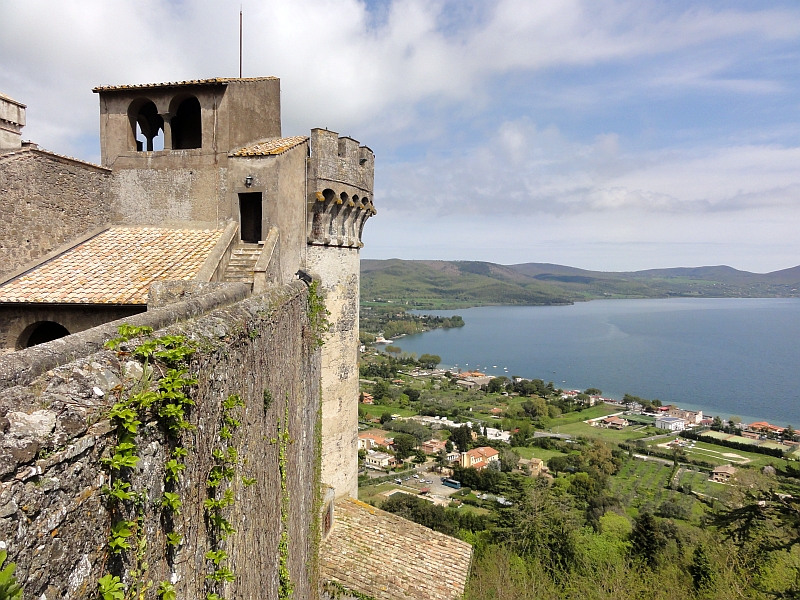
527	170
340	67
440	89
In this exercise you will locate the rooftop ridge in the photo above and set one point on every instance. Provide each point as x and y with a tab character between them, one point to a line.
188	82
64	157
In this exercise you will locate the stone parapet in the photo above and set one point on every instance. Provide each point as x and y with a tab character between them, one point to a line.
340	185
55	519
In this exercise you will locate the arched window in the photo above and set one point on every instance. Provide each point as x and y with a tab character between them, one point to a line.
39	333
148	126
187	127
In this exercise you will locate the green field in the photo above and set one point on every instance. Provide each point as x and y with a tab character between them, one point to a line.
541	453
611	435
722	455
643	484
593	412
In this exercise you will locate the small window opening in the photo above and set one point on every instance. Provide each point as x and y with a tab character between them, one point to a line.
328	194
39	333
187	128
149	128
250	217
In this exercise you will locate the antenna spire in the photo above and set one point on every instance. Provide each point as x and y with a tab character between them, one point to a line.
240	41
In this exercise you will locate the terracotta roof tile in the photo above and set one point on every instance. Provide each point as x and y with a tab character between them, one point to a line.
117	266
389	558
270	147
213	81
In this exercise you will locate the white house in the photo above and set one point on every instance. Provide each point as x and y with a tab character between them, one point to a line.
670	423
378	460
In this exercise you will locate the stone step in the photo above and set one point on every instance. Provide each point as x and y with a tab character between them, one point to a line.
242	263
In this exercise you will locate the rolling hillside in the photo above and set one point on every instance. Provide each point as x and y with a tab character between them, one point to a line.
453	284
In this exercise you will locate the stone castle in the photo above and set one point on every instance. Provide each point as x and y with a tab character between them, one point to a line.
199	222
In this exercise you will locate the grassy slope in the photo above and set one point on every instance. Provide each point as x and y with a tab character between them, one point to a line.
440	284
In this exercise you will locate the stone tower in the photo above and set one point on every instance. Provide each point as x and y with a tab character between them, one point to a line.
12	120
340	184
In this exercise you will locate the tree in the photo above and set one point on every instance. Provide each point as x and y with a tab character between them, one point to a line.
701	570
593	392
413	395
508	460
535	407
448	446
716	425
497	384
403	445
386	417
789	433
419	457
394	349
379	390
649	537
462	437
429	361
441	458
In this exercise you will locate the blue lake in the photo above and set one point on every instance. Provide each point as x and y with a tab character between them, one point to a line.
724	356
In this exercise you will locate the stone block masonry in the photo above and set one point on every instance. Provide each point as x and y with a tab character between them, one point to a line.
54	520
48	200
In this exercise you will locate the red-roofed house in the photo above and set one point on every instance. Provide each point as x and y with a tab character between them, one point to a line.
479	458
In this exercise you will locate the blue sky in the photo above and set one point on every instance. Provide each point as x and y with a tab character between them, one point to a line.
609	135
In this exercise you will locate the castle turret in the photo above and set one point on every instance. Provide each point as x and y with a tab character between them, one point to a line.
12	120
340	185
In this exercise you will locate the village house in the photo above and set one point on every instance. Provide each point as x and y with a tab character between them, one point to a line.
379	460
613	423
366	398
368	440
479	458
433	447
723	473
765	428
690	416
670	423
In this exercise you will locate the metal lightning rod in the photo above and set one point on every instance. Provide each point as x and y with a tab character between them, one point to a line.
240	41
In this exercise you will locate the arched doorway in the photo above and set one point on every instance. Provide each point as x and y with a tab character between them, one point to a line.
39	333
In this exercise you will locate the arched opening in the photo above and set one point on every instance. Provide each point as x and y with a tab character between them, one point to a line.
39	333
148	126
328	194
187	127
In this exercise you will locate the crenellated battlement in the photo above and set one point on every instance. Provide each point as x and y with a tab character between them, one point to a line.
340	179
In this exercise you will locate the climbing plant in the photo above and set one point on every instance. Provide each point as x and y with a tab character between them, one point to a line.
166	401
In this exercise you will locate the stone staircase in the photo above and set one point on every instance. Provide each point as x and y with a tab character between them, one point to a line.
243	261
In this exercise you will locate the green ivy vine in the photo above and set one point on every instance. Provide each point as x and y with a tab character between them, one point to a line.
317	314
285	585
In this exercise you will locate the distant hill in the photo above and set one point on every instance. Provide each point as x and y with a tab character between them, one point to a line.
452	284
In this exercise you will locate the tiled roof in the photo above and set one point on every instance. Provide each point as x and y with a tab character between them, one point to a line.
484	452
387	557
270	147
213	81
117	266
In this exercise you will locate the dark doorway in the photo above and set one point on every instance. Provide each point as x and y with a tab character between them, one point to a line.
187	128
44	331
250	216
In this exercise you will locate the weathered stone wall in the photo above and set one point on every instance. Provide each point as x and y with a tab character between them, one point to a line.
47	201
55	523
338	270
178	191
17	320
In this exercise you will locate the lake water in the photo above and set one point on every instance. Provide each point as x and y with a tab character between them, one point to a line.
724	356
